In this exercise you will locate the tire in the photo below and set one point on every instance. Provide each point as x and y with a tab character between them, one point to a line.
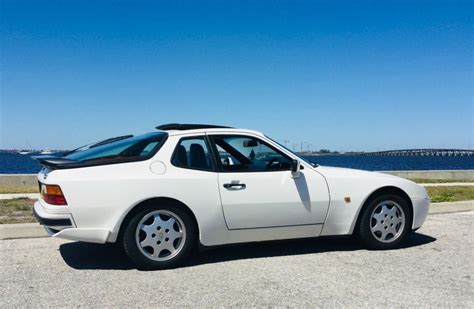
385	222
160	237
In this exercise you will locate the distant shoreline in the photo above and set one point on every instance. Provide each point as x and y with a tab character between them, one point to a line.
15	163
403	152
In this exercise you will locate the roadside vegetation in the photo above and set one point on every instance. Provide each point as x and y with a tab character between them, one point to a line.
450	194
423	180
19	210
22	189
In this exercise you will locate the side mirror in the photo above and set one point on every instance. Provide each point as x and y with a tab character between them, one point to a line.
295	168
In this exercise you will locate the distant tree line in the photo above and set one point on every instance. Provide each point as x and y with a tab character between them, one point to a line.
327	151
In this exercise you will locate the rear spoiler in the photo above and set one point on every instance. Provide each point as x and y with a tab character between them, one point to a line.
56	162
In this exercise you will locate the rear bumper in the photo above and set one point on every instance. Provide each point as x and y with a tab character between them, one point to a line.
62	225
53	221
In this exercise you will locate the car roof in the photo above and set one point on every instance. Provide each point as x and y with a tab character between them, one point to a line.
186	128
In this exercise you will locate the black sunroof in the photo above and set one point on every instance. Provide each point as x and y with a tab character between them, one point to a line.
187	126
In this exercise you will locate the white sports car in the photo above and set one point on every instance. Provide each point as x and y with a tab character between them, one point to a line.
160	194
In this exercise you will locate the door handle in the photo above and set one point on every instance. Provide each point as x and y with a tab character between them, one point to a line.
235	185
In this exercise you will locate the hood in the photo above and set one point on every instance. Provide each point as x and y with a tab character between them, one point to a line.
350	172
338	177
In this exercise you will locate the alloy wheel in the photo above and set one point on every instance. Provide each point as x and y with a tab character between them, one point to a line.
160	235
387	221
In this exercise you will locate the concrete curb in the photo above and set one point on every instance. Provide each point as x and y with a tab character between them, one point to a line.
34	230
447	207
448	184
22	230
10	196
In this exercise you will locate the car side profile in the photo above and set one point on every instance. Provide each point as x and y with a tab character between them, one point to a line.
161	194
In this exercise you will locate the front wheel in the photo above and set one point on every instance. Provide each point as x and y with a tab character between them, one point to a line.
385	222
159	237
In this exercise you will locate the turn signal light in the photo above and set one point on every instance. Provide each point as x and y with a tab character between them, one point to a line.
53	195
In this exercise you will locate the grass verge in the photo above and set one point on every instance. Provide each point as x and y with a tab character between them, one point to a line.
424	180
19	210
450	194
9	189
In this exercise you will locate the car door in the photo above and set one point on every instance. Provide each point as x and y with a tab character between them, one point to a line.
258	189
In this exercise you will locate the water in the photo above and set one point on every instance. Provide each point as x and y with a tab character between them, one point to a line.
12	163
380	163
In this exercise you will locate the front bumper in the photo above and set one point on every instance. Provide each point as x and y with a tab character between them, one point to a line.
59	223
420	211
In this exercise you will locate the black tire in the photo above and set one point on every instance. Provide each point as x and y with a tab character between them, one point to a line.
140	259
364	228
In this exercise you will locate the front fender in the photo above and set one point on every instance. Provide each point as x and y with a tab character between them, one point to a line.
358	186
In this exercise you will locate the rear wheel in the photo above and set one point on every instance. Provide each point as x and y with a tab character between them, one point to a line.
160	237
386	222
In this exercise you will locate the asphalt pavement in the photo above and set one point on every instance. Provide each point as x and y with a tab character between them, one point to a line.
435	268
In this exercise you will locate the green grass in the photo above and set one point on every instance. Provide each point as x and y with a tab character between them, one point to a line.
10	189
34	189
17	210
450	194
424	180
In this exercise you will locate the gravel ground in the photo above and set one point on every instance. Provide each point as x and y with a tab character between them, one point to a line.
435	268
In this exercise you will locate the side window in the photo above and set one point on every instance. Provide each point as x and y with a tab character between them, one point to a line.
192	153
149	148
248	154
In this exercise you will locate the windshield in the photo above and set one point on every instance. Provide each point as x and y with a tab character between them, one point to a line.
122	147
302	159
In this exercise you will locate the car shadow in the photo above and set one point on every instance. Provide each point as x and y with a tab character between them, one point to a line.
79	255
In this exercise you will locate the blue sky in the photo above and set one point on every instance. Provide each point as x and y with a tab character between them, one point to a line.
344	75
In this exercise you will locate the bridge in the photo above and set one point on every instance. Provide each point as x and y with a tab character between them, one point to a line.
423	152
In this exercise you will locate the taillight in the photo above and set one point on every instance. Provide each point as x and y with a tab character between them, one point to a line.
52	195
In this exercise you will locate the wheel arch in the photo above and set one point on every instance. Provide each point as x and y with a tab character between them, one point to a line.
147	203
378	192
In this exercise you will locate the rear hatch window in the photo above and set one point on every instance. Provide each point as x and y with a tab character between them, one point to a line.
120	149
